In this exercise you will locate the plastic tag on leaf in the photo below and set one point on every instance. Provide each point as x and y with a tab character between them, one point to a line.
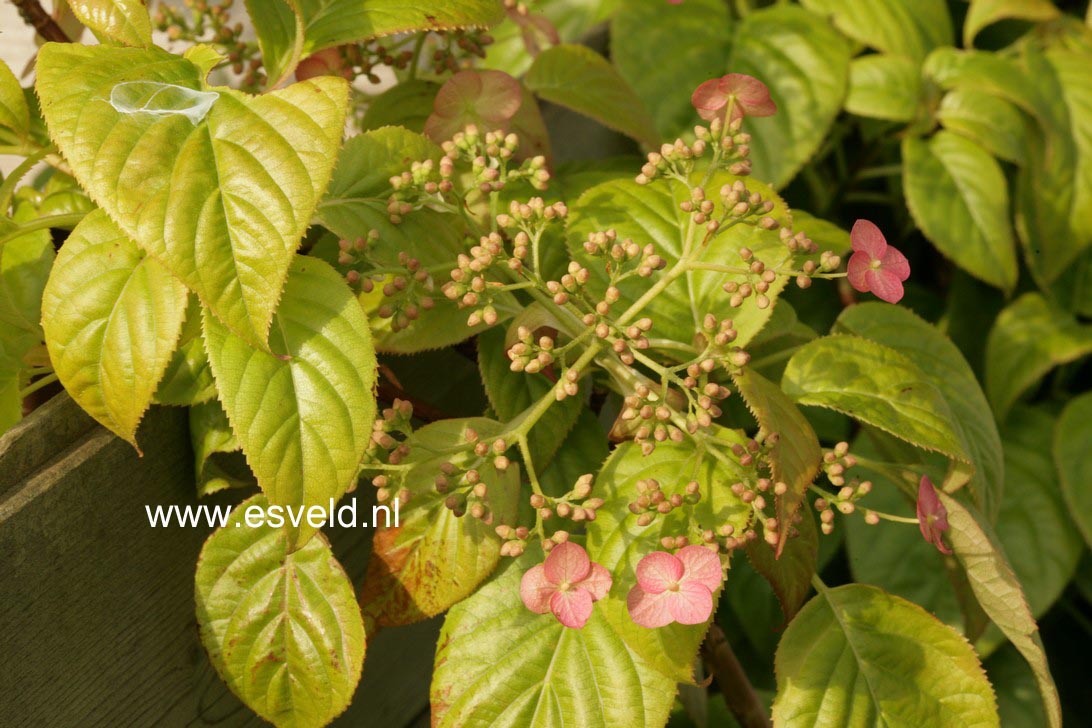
162	99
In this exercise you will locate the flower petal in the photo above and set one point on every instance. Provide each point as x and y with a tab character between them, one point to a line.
649	610
657	571
572	608
535	590
597	582
884	284
709	98
752	96
859	264
691	604
567	562
700	565
895	262
932	515
865	236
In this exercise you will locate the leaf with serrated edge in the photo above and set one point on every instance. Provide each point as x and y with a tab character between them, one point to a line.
943	364
618	543
500	664
304	413
188	379
998	591
795	458
874	384
651	214
789	572
958	196
1071	438
433	559
211	435
1028	339
909	28
222	199
329	23
857	656
805	63
112	317
580	79
120	21
14	114
281	627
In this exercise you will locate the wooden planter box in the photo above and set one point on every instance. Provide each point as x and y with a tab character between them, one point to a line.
97	622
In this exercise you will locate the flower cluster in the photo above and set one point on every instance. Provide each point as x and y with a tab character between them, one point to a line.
202	21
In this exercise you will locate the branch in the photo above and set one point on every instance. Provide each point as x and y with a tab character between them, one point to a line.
34	15
738	692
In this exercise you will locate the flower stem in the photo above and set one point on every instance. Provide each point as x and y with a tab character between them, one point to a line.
732	680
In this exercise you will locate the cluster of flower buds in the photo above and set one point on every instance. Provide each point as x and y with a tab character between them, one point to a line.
514	538
576	505
647	418
456	48
210	23
652	501
624	258
423	184
461	481
729	144
491	156
528	355
468	285
406	295
384	484
389	433
760	495
845	502
527	220
836	462
757	282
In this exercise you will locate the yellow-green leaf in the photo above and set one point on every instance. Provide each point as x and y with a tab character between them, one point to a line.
218	185
281	627
303	414
112	317
121	21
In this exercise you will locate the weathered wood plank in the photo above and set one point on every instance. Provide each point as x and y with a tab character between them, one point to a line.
97	621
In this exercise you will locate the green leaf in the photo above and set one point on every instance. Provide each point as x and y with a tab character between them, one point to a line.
959	198
795	459
651	214
991	122
580	79
407	104
1071	438
908	28
666	51
356	202
511	393
112	317
946	369
281	627
188	379
1035	527
986	12
884	87
876	385
120	21
1054	190
433	559
616	541
806	66
25	263
499	664
1018	699
1028	339
220	194
857	656
789	573
327	23
303	413
14	114
211	436
989	73
998	591
583	451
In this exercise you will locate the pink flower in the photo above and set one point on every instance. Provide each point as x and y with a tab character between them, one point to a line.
932	515
566	584
675	588
876	266
487	99
751	96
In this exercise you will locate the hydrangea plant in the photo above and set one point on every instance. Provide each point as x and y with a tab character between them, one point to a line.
604	411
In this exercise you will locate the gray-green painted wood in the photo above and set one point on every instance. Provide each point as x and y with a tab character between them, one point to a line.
97	622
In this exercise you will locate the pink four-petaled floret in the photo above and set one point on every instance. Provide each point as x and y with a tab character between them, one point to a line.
566	584
675	587
748	97
876	266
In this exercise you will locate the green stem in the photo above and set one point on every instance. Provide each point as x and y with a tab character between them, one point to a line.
417	48
35	386
68	220
7	189
654	290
